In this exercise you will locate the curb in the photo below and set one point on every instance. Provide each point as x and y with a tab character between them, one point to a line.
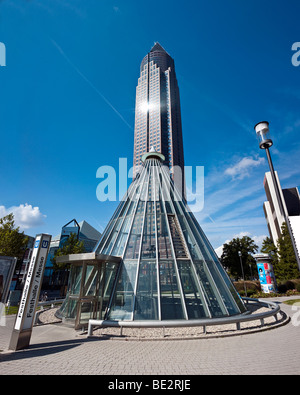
283	321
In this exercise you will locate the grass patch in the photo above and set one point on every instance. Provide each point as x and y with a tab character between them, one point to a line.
292	302
11	310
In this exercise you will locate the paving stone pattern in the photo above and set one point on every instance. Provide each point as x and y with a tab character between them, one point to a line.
59	350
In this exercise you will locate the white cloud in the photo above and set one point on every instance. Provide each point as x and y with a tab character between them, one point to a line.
219	251
241	169
25	215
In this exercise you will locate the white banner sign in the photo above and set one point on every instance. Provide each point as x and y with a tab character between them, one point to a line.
32	284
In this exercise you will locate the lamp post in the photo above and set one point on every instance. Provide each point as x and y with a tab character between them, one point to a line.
240	255
265	142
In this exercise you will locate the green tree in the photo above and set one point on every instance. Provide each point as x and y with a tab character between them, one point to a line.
268	247
230	257
287	267
12	241
71	246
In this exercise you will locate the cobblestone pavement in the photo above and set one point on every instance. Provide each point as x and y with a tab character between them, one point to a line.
58	350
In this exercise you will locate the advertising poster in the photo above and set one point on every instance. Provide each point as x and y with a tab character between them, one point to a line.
266	277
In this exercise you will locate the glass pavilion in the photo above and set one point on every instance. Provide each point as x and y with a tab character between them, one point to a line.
153	261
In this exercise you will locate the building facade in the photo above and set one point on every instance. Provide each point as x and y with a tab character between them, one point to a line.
273	214
275	218
158	115
85	232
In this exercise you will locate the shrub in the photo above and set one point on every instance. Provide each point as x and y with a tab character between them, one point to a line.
291	292
259	295
239	285
251	292
289	285
282	288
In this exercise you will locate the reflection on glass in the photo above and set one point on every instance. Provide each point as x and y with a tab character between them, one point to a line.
213	298
86	311
171	307
122	305
133	246
232	290
146	303
72	308
75	280
106	286
90	283
194	304
149	237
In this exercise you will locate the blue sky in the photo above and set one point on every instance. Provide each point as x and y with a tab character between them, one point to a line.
68	96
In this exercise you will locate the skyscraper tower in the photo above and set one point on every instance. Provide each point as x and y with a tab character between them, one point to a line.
157	113
153	264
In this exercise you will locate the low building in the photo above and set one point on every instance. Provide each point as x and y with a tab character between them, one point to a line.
85	232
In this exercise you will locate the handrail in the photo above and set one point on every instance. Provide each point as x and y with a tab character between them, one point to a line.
50	302
274	310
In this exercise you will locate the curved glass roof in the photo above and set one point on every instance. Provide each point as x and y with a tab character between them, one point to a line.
168	270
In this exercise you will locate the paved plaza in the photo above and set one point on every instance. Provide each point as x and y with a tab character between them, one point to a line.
59	350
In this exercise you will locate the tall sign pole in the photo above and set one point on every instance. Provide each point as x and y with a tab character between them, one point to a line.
21	334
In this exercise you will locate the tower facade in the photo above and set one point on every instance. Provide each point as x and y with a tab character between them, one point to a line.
157	113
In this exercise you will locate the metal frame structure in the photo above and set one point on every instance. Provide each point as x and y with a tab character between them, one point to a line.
154	187
165	269
91	275
274	311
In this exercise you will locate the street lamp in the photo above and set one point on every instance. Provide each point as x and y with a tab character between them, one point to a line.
240	255
265	142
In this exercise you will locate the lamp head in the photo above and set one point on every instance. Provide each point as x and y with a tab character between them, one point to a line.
263	134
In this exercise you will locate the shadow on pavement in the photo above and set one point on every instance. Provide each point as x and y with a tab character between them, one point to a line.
43	349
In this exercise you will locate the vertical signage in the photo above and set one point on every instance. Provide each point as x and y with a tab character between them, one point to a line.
265	273
32	287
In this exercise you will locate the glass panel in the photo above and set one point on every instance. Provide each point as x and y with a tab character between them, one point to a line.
133	246
231	288
186	233
216	294
107	281
86	311
64	307
149	239
90	283
192	293
205	248
122	237
76	273
110	241
146	304
122	306
226	296
178	241
72	308
107	230
164	245
213	298
171	307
